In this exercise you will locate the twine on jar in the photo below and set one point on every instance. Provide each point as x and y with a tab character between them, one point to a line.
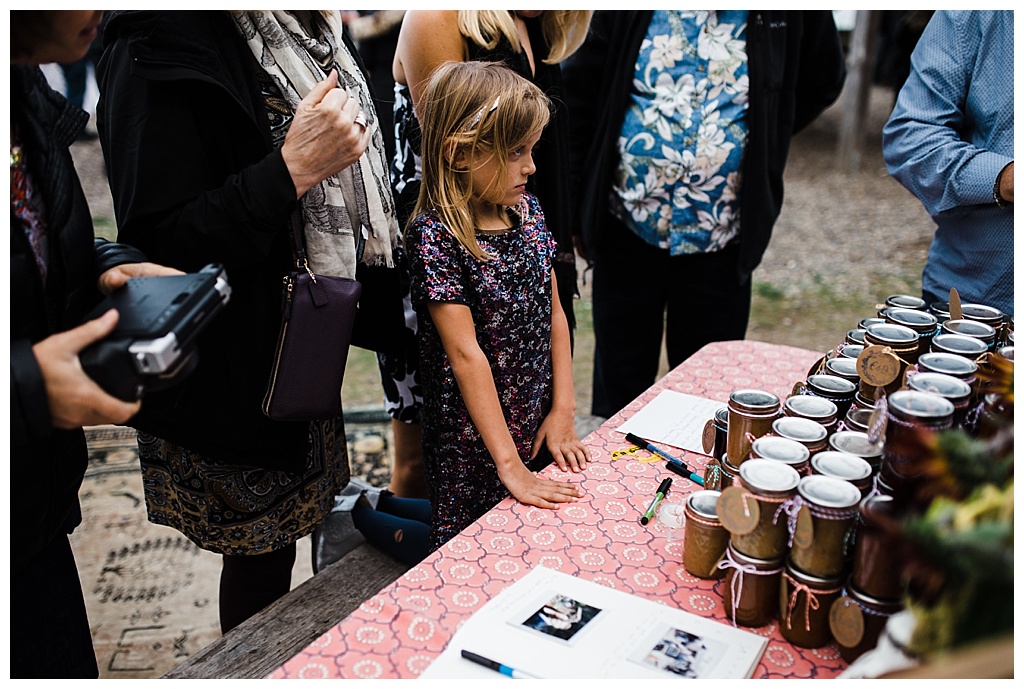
846	599
874	489
810	600
703	522
792	506
736	585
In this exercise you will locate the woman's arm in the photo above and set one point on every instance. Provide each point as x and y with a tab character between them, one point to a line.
558	430
428	39
472	371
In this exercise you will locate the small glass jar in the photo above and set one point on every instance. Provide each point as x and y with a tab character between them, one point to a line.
843	368
750	590
845	467
939	309
730	473
907	412
837	390
901	340
958	392
782	450
865	322
804	605
873	615
949	364
761	530
904	301
751	413
858	443
819	539
720	422
921	322
706	538
989	315
968	328
810	434
814	408
862	402
951	343
876	563
855	336
857	419
851	351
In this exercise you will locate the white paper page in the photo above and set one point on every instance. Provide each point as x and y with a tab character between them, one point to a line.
675	419
618	635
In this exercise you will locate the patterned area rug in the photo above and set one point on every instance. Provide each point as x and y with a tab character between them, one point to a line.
150	592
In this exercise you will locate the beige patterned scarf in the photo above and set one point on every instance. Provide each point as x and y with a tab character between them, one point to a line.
349	217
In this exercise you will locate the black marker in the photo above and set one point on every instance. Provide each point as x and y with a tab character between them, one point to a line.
658	497
676	466
496	666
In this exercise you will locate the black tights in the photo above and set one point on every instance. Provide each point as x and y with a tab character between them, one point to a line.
249	583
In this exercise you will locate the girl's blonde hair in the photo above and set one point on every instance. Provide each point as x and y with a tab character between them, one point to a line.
564	30
469	112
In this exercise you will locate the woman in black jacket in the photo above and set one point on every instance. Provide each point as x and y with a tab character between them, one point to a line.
209	150
58	273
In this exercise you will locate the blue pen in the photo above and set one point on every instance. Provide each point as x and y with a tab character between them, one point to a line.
496	666
675	465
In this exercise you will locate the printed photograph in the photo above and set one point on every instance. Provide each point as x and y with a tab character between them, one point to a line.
561	617
680	653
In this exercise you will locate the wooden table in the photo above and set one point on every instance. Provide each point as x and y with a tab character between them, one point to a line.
398	632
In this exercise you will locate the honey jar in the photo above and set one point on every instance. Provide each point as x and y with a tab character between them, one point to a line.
706	538
876	563
817	409
951	343
810	434
783	450
837	390
858	443
804	605
751	413
908	411
752	511
822	525
857	620
958	392
845	467
750	590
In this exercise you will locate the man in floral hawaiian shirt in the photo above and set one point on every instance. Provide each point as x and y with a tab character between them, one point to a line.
680	125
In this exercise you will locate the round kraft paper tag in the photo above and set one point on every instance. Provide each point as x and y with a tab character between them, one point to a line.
713	475
738	510
847	622
803	537
878	366
707	438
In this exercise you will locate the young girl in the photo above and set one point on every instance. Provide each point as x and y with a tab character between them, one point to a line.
494	344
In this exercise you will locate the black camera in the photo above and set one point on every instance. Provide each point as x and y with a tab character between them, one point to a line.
153	345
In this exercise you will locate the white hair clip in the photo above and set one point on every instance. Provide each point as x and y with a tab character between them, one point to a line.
480	115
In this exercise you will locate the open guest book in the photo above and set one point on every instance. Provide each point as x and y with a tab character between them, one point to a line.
555	625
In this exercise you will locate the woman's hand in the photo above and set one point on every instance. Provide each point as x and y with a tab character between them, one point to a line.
75	399
558	433
530	489
115	278
324	137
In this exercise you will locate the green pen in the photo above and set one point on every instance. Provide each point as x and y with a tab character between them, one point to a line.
658	497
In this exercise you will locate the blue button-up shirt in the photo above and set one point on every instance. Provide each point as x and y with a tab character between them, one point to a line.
683	135
947	139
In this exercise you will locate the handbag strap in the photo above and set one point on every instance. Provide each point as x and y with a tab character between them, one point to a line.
299	242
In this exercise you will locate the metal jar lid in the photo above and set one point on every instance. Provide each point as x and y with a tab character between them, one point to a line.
857	418
780	449
810	407
856	443
855	336
844	368
881	606
865	322
833	387
1006	352
918	321
905	301
851	351
950	364
965	346
982	313
828	491
841	465
804	431
953	389
704	503
890	334
976	329
754	401
939	309
923	406
722	418
769	478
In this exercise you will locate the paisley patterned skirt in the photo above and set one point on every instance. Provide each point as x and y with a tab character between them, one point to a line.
243	510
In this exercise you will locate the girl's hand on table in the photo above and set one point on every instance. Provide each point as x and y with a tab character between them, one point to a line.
530	489
559	436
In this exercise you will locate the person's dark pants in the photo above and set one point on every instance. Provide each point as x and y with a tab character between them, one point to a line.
50	635
634	286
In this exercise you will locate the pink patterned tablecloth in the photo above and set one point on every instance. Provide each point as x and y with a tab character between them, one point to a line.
398	632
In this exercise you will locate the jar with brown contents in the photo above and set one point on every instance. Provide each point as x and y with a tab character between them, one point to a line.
750	590
804	605
782	450
706	538
808	433
813	408
909	411
752	511
876	564
857	631
858	443
845	467
837	390
844	368
751	413
968	328
958	392
923	323
961	345
822	525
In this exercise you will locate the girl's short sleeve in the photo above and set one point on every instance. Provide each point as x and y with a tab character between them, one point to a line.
436	262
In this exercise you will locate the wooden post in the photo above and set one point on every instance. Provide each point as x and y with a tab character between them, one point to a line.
860	63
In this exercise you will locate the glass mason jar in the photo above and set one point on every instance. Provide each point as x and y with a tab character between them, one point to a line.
810	434
706	538
850	351
843	368
908	411
921	322
900	339
968	328
958	392
837	390
720	427
858	443
814	408
750	590
782	450
845	467
856	639
804	605
939	309
855	336
857	418
754	516
989	315
949	364
952	343
876	563
903	301
819	540
729	474
751	413
865	322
